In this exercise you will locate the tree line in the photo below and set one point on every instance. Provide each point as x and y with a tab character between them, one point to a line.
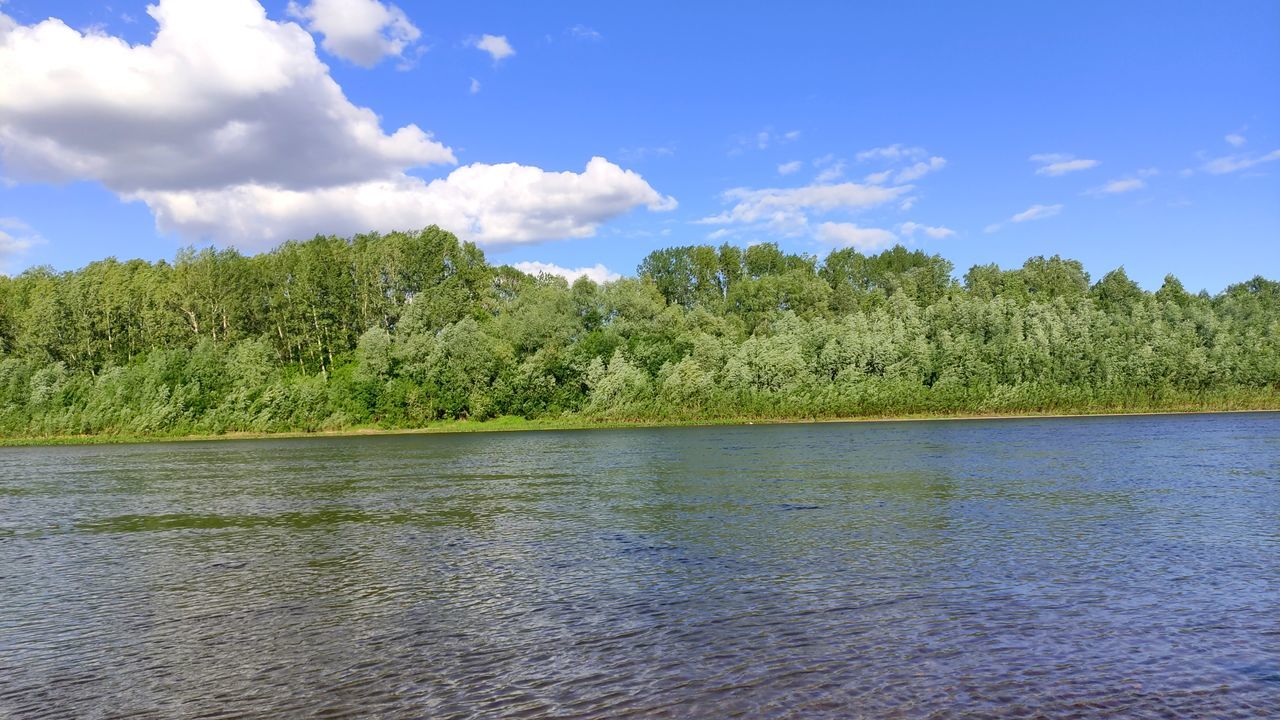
403	329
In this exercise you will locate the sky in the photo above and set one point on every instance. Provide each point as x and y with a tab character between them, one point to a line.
577	137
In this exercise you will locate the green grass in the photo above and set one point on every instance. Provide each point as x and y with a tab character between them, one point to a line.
1265	403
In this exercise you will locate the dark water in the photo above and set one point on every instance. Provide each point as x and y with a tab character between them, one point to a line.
1034	568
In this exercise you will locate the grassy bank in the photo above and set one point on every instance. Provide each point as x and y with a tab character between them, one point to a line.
1268	403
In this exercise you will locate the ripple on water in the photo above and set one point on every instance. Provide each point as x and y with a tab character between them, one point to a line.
1043	568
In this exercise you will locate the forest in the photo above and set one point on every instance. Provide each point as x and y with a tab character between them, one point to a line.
404	330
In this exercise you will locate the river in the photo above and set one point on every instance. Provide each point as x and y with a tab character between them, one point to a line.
1090	567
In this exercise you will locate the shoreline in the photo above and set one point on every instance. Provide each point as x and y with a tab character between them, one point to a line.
510	424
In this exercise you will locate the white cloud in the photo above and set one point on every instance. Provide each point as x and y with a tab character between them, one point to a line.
1036	212
475	86
1235	163
787	208
492	205
221	95
1122	185
11	247
16	238
1148	172
920	169
582	32
1055	164
895	152
897	156
362	31
637	154
937	232
761	140
850	235
831	173
1235	139
598	273
790	167
230	128
496	45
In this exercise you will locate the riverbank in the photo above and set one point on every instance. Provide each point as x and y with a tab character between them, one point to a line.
519	424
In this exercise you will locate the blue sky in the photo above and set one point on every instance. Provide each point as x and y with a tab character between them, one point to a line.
1138	134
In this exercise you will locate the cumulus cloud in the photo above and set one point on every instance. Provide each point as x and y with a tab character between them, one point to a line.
789	168
787	208
492	205
850	235
362	31
937	232
496	45
229	128
1235	163
221	95
598	273
1055	164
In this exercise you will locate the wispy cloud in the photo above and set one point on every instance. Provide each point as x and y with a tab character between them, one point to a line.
761	140
907	163
475	86
849	235
16	237
1235	139
1055	164
937	232
582	32
1235	163
832	172
1035	212
893	152
752	205
1120	185
920	169
790	168
640	153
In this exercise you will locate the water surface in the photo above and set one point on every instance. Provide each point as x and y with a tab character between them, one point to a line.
1087	567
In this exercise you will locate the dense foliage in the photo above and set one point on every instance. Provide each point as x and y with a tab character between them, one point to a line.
408	328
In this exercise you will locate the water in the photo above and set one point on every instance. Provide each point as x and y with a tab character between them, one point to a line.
1021	568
